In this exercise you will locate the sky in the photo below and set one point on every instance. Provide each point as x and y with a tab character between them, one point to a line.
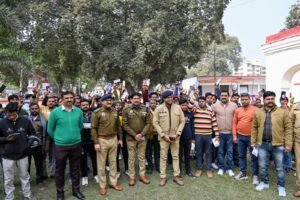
252	20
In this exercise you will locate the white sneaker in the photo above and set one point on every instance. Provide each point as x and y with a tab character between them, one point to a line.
255	180
96	179
84	181
107	168
262	186
118	175
281	191
220	172
127	173
215	166
241	176
230	173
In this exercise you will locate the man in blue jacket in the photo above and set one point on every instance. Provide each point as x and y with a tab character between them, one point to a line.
188	134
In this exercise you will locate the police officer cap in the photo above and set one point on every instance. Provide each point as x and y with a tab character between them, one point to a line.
167	93
105	97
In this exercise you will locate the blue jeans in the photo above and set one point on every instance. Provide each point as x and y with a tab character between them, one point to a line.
265	150
203	146
244	144
225	150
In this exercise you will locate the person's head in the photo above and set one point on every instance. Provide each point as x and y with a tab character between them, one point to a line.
12	111
184	96
209	98
84	105
153	96
284	101
106	101
34	109
136	99
13	98
153	104
235	98
214	98
117	105
183	104
202	102
51	102
224	96
77	102
68	98
245	99
258	102
168	97
269	99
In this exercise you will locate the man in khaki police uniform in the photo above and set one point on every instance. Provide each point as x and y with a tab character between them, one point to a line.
106	130
169	121
136	123
295	117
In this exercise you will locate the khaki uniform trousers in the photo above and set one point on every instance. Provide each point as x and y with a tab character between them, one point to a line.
164	149
108	147
138	149
297	157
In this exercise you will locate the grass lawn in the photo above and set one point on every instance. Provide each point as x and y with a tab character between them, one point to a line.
220	187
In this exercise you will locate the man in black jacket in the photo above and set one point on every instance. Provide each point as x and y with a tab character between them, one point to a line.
13	149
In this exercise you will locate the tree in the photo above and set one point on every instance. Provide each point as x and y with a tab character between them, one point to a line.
131	40
293	19
225	56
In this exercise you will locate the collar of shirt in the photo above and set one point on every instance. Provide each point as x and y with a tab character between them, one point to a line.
273	109
64	108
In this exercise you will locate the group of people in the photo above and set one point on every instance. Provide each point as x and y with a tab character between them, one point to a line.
153	128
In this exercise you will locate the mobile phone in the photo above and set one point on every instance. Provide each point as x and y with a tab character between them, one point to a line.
172	138
14	134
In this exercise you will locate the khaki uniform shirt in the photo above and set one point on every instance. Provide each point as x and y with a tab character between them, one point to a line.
105	123
136	120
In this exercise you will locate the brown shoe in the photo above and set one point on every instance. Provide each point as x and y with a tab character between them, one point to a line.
209	174
131	182
144	180
198	173
116	187
297	193
102	191
178	180
162	182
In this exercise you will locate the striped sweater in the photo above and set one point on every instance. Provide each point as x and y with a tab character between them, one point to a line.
204	122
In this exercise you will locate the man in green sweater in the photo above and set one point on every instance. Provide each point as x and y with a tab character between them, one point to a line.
64	127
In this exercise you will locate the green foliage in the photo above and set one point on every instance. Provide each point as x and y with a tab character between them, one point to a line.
225	56
293	19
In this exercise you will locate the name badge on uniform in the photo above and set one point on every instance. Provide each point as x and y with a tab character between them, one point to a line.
103	114
86	125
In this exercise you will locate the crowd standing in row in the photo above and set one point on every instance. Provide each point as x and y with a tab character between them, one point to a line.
148	127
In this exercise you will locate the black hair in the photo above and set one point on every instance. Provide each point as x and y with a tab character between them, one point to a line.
201	98
208	94
269	93
13	96
224	91
245	95
84	100
12	107
235	95
182	101
66	93
153	93
136	94
33	104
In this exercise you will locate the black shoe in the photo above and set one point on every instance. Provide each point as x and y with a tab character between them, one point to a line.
60	196
79	195
190	174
